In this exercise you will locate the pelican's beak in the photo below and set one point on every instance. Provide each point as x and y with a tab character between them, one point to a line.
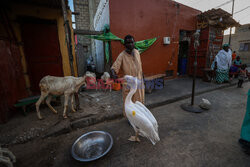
130	80
128	77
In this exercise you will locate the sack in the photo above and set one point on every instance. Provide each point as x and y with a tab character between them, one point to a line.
205	104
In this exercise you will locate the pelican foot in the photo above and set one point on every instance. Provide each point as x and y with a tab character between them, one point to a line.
134	138
40	118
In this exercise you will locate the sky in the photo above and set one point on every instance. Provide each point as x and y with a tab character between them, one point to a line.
242	17
71	6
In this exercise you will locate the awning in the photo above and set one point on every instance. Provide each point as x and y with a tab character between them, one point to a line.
217	18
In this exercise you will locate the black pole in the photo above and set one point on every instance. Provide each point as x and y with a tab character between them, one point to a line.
194	77
196	44
187	106
229	42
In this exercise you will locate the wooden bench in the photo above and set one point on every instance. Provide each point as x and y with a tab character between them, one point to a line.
153	79
25	102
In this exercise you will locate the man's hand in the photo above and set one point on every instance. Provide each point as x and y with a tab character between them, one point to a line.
113	74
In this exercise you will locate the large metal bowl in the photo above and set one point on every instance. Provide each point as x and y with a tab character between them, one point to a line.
91	146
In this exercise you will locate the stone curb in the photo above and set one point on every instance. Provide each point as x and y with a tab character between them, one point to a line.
82	123
67	127
61	128
158	104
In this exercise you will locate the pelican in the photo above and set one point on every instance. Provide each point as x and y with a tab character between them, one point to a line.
141	119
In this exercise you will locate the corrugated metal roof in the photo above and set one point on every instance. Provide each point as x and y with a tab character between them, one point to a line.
218	18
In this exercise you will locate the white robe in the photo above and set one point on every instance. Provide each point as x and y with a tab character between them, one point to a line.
230	57
223	59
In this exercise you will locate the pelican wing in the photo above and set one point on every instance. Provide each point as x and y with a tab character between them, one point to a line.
143	124
147	113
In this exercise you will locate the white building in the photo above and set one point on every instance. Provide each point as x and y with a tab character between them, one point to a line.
240	42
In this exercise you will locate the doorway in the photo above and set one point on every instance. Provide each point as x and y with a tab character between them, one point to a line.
42	50
184	42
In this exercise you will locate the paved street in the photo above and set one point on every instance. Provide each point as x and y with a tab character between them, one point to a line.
57	59
187	139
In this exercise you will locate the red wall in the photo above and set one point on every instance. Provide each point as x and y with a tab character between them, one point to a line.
12	84
42	51
146	19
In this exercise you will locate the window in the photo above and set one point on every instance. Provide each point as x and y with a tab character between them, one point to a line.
244	47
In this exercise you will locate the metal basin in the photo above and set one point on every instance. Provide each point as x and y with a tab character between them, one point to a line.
91	146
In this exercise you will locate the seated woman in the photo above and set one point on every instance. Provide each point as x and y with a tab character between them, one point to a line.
237	62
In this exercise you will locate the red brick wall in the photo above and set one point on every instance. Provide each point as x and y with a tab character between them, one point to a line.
12	85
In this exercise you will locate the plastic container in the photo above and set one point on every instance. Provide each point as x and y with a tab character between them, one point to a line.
183	66
116	86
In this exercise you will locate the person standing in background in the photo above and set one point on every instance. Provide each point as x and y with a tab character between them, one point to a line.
222	64
234	56
242	75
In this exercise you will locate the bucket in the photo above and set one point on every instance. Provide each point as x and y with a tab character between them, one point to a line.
116	86
183	66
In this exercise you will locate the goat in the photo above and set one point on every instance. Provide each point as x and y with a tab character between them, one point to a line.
106	79
51	85
91	73
105	76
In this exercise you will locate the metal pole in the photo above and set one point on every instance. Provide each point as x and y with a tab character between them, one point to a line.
196	44
187	106
194	77
229	42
